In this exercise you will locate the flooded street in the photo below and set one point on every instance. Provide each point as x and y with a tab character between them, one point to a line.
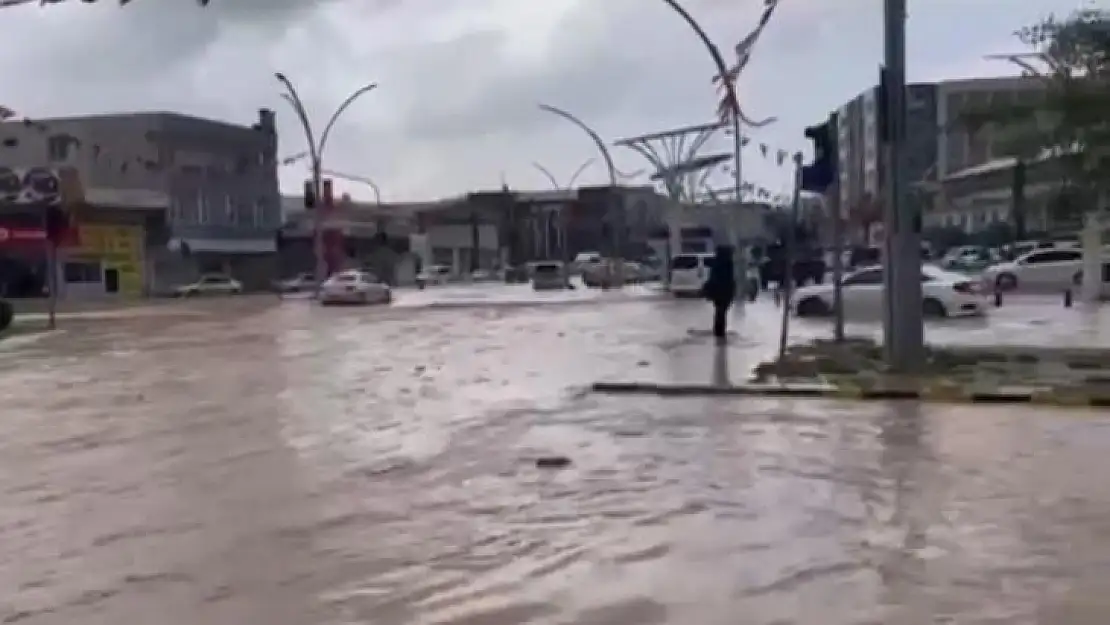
284	464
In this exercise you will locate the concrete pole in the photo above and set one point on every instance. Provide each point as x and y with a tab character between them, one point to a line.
833	200
904	265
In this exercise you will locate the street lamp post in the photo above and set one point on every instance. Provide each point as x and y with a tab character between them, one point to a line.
612	170
564	227
736	115
316	145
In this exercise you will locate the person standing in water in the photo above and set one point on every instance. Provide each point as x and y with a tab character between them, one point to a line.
720	289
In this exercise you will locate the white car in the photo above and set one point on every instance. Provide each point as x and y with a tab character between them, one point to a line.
944	294
210	284
1046	268
436	274
354	287
586	261
549	276
689	273
296	284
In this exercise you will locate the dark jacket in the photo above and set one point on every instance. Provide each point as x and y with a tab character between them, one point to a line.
720	288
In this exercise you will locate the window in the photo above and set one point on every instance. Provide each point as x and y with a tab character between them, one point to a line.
865	278
1053	256
82	273
57	147
230	216
214	280
260	213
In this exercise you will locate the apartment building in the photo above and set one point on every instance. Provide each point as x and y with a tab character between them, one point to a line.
215	183
939	146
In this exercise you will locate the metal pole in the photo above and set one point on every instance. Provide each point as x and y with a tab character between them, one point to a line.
907	336
50	264
788	271
741	258
616	216
837	262
316	156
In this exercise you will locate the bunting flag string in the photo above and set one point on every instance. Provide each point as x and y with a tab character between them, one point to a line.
743	51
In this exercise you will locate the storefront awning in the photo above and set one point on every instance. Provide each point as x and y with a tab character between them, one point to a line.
224	246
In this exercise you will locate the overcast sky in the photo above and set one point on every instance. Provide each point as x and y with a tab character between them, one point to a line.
460	79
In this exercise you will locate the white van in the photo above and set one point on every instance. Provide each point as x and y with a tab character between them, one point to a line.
689	273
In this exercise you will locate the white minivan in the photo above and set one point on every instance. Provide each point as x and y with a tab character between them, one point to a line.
689	273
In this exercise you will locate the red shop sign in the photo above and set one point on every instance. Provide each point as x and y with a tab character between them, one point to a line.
21	235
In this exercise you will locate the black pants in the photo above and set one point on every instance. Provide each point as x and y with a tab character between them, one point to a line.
720	318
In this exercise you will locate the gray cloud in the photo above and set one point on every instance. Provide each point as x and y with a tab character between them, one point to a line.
460	79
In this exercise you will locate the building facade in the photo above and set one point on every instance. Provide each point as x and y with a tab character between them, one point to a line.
218	182
940	144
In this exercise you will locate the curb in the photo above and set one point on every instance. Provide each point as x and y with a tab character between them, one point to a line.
945	395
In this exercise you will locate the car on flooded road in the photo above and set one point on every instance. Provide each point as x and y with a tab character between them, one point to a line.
354	287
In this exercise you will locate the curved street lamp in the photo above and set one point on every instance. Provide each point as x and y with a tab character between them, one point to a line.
612	169
316	145
555	182
737	115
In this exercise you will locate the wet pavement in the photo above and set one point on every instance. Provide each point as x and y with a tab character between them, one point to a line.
257	461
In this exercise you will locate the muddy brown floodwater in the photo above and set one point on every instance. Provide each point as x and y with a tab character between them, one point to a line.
287	465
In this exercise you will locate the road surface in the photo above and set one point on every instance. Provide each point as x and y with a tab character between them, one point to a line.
279	463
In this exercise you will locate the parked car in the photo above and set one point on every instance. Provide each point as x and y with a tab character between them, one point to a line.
354	287
969	259
585	261
598	275
807	269
1051	268
550	275
210	284
944	294
435	274
297	284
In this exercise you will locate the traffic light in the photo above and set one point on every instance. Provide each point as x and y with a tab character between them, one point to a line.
822	173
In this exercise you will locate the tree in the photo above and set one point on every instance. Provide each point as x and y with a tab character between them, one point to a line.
1070	123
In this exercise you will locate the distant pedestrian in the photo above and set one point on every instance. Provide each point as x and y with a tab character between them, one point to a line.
720	289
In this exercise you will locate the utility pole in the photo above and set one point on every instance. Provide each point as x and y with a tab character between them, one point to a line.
905	337
788	272
833	203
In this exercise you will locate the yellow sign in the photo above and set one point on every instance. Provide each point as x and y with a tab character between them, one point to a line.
115	247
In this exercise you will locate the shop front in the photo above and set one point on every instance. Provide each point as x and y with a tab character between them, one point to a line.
107	260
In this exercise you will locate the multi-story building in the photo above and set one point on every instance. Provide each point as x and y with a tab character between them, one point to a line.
210	187
861	156
939	146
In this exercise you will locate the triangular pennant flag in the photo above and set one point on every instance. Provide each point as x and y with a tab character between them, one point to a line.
781	157
763	149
